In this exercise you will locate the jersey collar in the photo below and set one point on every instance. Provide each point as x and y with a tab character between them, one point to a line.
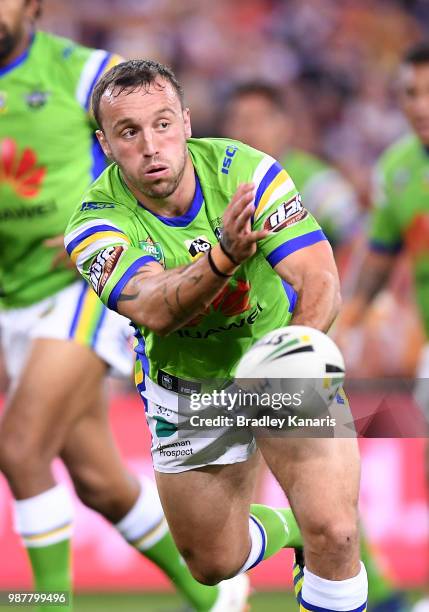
190	214
18	60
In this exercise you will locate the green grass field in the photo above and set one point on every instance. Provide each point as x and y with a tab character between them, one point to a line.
260	602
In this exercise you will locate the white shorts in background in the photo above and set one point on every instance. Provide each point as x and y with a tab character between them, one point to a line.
76	314
421	388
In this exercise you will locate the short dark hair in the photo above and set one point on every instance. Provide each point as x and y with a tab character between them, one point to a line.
132	75
417	54
260	88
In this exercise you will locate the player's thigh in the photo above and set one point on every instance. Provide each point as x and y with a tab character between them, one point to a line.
95	465
58	381
320	477
209	507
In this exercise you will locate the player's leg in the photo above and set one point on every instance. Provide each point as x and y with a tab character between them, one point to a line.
59	382
207	510
321	480
41	409
104	484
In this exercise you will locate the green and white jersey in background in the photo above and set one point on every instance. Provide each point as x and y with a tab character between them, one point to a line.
401	211
48	158
112	235
326	194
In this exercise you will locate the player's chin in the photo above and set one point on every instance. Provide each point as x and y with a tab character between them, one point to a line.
159	189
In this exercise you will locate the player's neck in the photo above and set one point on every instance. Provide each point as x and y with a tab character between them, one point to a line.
179	202
22	44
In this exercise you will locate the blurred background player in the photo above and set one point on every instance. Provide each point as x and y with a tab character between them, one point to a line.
256	113
400	217
58	339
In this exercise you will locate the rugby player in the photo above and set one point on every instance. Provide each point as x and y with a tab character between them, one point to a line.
59	341
400	217
209	249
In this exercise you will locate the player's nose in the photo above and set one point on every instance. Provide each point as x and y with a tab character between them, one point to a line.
147	144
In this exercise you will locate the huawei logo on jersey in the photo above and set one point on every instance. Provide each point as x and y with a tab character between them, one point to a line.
20	170
231	301
417	236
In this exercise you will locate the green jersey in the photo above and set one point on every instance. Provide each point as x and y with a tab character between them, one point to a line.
112	235
48	158
326	194
401	212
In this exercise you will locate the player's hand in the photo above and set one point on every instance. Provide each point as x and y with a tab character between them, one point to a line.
238	239
61	258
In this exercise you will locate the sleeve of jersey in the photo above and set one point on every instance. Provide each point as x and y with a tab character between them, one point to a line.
384	235
104	255
97	63
279	209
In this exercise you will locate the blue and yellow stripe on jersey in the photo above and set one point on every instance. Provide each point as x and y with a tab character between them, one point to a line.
87	318
96	65
141	367
272	182
91	237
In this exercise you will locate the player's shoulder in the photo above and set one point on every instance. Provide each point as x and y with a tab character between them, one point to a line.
402	152
110	187
299	156
225	161
60	49
107	197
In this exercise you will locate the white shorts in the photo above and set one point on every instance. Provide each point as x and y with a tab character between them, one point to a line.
174	452
178	447
76	314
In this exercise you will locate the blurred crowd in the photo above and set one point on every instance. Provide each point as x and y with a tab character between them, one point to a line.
336	60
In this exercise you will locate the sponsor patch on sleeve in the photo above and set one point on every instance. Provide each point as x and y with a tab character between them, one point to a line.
102	267
288	213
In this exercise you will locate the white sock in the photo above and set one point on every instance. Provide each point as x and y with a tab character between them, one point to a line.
45	518
335	595
258	546
144	525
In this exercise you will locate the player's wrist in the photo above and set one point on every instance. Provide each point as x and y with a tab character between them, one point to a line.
228	254
220	264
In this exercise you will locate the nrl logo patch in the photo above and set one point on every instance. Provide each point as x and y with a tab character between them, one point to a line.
288	213
154	249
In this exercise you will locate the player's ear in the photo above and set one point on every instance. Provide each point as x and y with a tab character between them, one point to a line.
103	143
187	122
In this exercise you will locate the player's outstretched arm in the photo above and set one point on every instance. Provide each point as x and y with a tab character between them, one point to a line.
166	300
372	276
313	274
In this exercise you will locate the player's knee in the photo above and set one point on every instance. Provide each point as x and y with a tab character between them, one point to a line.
20	453
98	492
336	536
211	570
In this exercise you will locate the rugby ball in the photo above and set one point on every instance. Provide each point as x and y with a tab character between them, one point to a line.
298	361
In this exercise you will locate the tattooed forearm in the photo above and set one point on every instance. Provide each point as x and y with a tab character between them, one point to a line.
133	284
165	300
